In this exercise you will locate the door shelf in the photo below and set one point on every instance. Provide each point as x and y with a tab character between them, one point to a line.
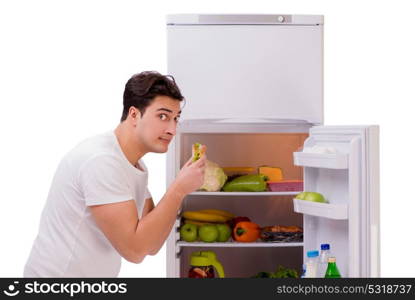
244	193
325	210
237	244
320	160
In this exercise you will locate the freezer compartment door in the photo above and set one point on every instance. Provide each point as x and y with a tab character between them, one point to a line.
247	71
342	163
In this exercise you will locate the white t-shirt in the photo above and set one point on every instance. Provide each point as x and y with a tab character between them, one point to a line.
69	243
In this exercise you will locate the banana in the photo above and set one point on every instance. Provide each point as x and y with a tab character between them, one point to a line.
219	212
198	223
204	217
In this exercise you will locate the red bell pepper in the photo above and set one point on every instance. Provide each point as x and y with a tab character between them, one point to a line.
246	232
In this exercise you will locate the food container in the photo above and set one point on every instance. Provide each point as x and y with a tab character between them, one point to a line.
203	263
285	185
282	234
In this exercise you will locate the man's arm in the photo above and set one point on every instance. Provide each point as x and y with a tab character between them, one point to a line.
134	238
148	206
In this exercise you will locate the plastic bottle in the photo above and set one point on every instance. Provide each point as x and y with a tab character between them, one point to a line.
332	270
324	257
311	265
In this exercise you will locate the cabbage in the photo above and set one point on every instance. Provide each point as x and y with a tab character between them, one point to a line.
214	178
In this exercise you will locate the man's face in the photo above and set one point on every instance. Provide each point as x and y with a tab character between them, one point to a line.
157	127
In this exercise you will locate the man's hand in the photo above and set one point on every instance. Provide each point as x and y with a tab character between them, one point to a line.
192	174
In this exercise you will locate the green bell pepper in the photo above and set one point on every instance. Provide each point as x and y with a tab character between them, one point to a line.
247	183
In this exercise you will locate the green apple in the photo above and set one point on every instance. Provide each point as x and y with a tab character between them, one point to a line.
301	196
224	232
315	197
188	232
208	233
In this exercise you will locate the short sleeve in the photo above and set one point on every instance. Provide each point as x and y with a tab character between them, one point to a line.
147	194
103	181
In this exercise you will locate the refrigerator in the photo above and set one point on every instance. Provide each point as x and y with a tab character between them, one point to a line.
254	95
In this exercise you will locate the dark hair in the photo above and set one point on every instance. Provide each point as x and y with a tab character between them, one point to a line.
142	88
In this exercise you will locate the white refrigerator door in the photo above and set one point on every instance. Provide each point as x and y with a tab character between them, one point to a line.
248	66
349	180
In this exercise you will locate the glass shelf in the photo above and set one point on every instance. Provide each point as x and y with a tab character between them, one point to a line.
238	244
244	193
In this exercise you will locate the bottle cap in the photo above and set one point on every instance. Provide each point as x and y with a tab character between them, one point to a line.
325	246
331	260
313	253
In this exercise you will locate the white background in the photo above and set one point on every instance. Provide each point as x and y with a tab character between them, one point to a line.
64	64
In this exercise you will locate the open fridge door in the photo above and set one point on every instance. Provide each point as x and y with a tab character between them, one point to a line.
342	164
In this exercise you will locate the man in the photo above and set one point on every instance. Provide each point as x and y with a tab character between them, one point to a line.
99	208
